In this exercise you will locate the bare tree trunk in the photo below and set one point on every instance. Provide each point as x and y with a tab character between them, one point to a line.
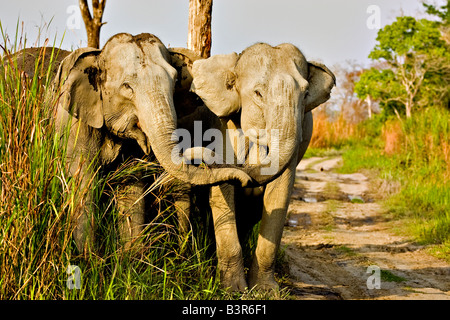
199	33
93	23
408	107
445	32
369	106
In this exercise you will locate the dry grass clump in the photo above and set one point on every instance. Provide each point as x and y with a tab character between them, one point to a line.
329	134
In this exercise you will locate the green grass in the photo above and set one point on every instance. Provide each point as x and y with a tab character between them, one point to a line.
441	251
320	152
388	276
346	250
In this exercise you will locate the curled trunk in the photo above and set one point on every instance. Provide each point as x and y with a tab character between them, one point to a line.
283	143
159	124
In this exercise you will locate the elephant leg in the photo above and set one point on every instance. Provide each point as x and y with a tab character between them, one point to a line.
249	204
131	205
82	218
276	202
183	206
84	226
229	251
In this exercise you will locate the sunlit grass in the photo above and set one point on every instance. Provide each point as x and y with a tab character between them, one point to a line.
414	153
38	198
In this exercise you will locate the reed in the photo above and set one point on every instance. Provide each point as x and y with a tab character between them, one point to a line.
38	197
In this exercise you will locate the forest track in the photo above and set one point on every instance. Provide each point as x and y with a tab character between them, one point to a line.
335	231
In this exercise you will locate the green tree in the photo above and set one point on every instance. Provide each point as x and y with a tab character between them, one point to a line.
380	85
413	54
442	12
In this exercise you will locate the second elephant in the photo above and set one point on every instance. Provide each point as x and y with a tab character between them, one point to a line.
266	95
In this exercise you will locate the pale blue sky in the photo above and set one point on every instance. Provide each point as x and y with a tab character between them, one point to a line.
332	31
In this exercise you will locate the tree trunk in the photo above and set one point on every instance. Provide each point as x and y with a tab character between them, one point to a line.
199	33
93	23
408	108
369	106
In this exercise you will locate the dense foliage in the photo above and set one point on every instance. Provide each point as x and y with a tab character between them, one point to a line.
412	66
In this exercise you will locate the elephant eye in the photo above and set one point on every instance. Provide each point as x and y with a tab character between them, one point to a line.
258	94
126	90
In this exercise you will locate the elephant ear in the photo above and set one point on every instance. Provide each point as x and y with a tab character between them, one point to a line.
321	81
78	78
215	83
182	60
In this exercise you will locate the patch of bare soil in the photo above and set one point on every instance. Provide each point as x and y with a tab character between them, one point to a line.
335	231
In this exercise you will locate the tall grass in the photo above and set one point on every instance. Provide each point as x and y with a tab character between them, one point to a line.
424	170
332	134
37	200
32	180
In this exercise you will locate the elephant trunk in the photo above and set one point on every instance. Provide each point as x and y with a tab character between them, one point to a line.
284	134
159	124
283	147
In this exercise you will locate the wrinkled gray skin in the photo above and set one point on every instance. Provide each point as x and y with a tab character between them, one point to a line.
109	97
264	87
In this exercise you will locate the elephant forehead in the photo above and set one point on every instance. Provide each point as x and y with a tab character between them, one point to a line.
130	61
262	59
129	54
124	55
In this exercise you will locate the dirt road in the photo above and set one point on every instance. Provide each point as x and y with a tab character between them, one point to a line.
335	231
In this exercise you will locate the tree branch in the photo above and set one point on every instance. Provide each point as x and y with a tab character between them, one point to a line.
84	8
93	22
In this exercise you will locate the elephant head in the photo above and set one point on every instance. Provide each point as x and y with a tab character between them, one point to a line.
126	89
267	89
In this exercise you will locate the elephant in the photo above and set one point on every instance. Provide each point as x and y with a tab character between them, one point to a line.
116	102
46	56
268	92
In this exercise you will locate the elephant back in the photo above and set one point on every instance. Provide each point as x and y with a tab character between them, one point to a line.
26	60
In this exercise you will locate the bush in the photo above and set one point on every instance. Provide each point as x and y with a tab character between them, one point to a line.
332	134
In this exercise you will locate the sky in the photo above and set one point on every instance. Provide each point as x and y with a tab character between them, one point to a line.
330	31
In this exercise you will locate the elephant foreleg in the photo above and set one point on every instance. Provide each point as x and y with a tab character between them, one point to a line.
183	207
229	251
84	225
82	216
131	207
276	202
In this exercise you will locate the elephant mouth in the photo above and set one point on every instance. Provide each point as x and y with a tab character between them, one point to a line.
259	137
145	145
141	138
